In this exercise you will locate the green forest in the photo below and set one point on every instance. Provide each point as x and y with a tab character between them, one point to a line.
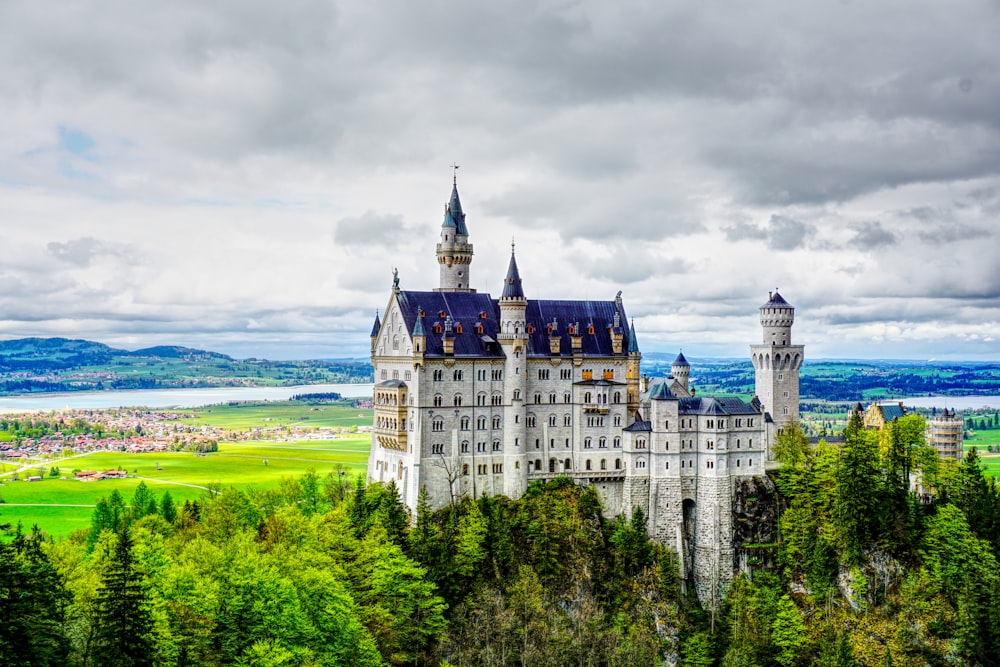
868	571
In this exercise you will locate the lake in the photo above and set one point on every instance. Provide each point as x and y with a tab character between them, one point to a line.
172	398
950	402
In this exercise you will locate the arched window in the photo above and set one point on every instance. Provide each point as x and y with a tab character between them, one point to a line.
586	397
567	465
587	443
602	443
618	464
496	421
465	446
465	423
587	465
552	420
618	397
458	399
604	464
457	375
465	469
437	400
618	442
481	422
437	424
552	465
517	394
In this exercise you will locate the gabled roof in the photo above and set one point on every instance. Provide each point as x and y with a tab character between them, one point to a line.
467	309
891	412
582	314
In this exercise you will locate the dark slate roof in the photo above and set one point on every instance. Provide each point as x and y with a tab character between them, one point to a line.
776	301
600	314
418	325
660	391
633	342
470	309
639	425
512	283
892	412
377	326
453	215
465	309
710	405
391	384
680	360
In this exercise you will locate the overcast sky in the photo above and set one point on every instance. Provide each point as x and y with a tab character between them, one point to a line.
242	176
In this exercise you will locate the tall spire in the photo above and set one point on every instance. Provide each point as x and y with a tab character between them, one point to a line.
453	214
377	326
512	283
454	252
633	343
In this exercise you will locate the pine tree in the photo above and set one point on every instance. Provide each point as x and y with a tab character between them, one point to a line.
167	508
856	507
123	623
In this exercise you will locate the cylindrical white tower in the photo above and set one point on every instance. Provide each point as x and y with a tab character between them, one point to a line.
777	362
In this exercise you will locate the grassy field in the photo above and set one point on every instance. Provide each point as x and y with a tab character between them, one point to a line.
60	506
245	416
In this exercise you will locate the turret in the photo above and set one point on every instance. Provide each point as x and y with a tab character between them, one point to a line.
681	370
777	362
454	252
376	328
419	337
513	337
632	366
513	303
448	337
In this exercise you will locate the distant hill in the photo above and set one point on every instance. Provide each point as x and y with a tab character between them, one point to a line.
33	365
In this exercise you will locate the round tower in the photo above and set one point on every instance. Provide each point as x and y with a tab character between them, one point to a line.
777	362
513	338
681	370
454	252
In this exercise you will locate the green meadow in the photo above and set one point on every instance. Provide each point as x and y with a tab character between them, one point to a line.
60	506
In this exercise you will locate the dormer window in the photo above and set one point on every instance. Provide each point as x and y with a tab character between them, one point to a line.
531	328
590	329
458	328
480	329
482	315
438	328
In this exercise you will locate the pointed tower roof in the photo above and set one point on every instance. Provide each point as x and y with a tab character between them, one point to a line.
775	300
633	343
418	324
512	283
680	360
453	215
377	326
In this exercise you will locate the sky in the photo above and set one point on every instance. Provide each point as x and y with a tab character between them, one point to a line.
242	176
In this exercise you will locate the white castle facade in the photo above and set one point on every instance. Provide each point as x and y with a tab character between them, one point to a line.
478	395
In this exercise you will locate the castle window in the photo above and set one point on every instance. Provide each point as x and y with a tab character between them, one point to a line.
480	399
709	464
567	465
438	328
566	374
437	448
538	398
384	375
497	399
737	463
750	422
587	444
618	464
587	465
552	443
457	375
590	329
438	375
465	446
480	446
480	329
517	394
666	446
567	397
437	400
737	443
640	444
567	443
668	465
530	421
710	444
406	375
617	442
497	374
538	443
781	376
458	399
481	422
437	424
543	374
567	420
395	375
458	325
538	465
531	328
587	397
552	398
465	423
750	462
496	422
750	443
618	397
710	423
465	469
618	420
640	464
497	468
784	410
496	445
552	420
395	342
602	443
604	464
481	469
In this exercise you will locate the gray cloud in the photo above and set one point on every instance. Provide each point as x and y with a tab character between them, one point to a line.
871	236
372	229
83	251
780	232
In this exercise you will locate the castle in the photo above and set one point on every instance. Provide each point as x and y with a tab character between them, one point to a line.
476	395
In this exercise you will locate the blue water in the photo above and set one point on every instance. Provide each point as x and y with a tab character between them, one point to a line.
171	398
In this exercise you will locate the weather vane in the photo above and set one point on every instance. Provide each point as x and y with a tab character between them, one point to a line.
454	177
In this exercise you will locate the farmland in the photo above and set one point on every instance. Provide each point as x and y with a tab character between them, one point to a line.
285	443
